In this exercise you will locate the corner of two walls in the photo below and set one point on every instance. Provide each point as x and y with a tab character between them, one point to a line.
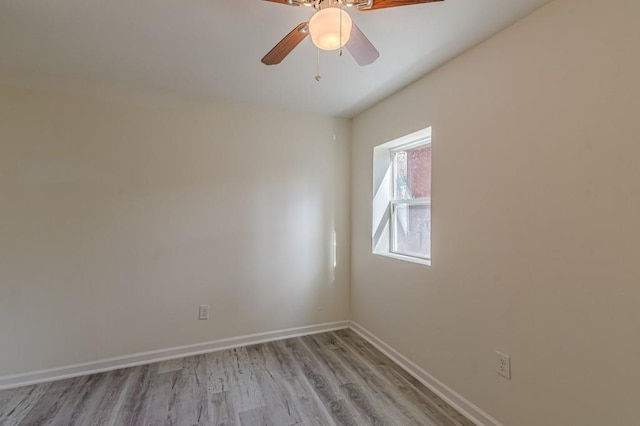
118	220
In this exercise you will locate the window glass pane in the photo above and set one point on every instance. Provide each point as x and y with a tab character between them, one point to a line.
412	230
413	173
400	178
419	171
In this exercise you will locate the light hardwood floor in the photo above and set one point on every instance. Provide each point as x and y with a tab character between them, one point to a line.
333	378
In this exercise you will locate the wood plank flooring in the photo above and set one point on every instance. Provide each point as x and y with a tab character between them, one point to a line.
334	378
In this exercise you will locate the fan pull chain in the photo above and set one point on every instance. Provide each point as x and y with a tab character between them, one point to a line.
318	77
340	4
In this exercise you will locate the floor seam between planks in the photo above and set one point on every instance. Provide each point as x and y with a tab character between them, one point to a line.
333	378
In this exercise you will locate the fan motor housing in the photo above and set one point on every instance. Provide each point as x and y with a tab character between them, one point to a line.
321	4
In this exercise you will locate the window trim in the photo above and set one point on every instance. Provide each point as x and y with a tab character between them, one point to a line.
415	143
412	259
384	163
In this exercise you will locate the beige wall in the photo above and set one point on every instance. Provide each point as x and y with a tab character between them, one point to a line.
536	211
118	219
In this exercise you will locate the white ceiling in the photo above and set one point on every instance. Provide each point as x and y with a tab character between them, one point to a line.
213	48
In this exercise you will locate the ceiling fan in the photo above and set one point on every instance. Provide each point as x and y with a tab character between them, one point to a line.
331	28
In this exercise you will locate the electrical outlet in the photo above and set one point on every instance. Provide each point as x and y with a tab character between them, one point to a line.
203	312
504	365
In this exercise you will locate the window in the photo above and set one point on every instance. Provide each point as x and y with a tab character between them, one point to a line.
402	198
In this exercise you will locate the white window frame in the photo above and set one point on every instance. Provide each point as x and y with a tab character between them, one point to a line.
385	156
395	202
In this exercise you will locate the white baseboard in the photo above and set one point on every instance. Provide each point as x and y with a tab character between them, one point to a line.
108	364
457	401
468	409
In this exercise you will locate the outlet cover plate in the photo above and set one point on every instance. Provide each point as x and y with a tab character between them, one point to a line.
203	312
503	366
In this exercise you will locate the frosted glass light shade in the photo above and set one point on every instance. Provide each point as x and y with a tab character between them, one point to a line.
324	28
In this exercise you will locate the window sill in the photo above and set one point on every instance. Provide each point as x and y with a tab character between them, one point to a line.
426	262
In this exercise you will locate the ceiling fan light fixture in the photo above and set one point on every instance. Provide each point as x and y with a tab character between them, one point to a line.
326	29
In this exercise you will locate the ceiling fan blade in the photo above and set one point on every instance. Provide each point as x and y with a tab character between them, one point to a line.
361	48
286	45
287	2
382	4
